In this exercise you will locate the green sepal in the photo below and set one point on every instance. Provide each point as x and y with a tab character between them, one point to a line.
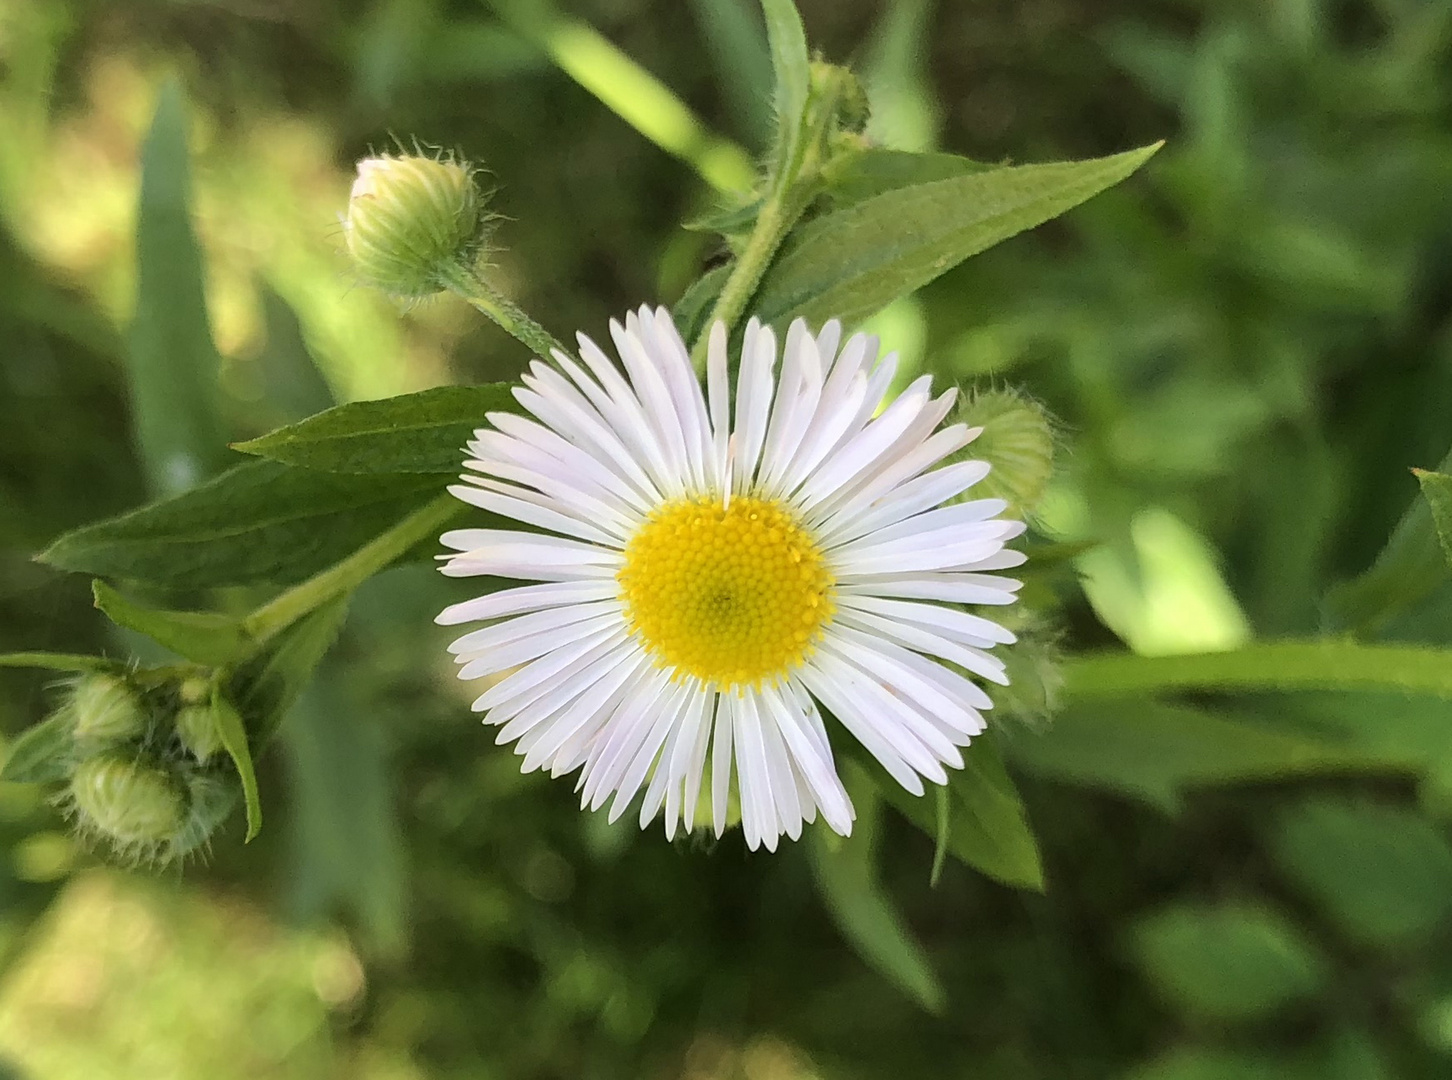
233	733
42	754
202	636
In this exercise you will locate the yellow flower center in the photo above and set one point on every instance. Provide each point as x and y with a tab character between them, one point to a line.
733	596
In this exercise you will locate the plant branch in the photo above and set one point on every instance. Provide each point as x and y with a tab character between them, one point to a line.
1280	665
345	576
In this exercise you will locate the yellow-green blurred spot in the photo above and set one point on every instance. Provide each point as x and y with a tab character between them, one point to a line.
644	102
44	856
1161	589
126	978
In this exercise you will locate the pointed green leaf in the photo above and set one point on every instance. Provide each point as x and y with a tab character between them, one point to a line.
260	521
733	220
693	309
846	876
790	62
1227	961
414	433
349	851
293	387
234	741
41	755
852	262
1159	752
1381	873
202	636
732	34
988	828
173	362
59	661
1437	487
943	804
1409	569
876	171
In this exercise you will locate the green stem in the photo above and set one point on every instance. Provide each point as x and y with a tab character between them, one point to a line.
773	222
795	180
345	576
508	315
1279	665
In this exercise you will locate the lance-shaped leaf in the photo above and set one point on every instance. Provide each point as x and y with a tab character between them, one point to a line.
1409	569
787	42
203	636
846	875
1159	752
172	360
260	521
854	261
414	433
1437	487
987	827
857	177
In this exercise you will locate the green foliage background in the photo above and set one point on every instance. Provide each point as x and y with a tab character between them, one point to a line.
1247	346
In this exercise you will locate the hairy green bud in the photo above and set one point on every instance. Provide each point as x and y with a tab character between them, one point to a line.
196	727
1017	441
135	804
849	97
106	710
211	798
414	223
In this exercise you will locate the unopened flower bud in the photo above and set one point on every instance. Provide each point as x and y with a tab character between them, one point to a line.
106	709
210	797
196	727
414	223
194	691
136	804
1017	441
851	109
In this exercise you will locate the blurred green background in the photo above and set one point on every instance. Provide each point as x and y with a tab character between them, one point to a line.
1247	345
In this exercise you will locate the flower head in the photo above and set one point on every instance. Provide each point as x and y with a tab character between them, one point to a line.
414	222
711	571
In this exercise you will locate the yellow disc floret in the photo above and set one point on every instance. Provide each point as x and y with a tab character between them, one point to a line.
734	595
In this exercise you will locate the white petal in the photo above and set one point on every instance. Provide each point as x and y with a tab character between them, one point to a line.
956	587
852	715
719	387
525	598
532	513
517	626
959	625
533	680
870	510
721	762
754	390
921	742
925	641
528	648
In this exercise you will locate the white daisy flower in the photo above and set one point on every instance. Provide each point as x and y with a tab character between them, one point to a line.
711	573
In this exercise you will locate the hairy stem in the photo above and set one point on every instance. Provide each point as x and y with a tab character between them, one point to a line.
1280	665
345	576
508	315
